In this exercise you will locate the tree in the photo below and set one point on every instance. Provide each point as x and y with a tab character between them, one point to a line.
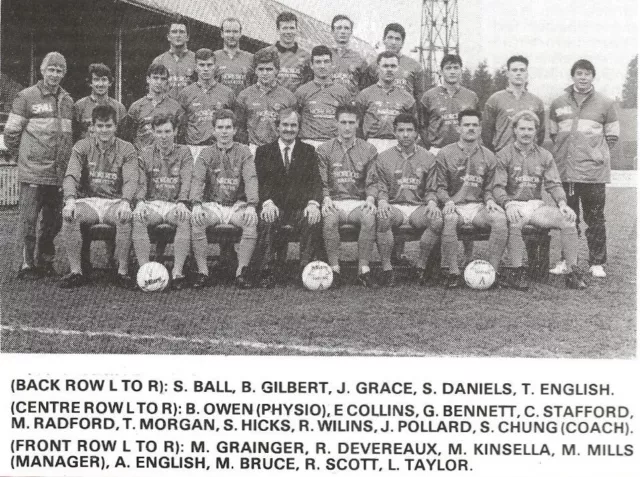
630	87
467	78
500	80
482	83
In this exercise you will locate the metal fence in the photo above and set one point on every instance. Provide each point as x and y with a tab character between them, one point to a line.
9	190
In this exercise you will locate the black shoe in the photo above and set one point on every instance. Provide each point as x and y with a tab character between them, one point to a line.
28	274
515	278
338	281
72	280
574	280
46	270
366	280
267	280
124	281
243	281
200	280
178	283
387	278
454	281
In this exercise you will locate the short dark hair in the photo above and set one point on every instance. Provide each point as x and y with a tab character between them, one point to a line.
583	65
177	20
283	113
387	54
347	109
286	17
527	116
405	118
517	59
204	54
230	19
267	56
337	18
320	50
225	114
100	70
104	112
451	59
164	118
157	69
469	112
395	27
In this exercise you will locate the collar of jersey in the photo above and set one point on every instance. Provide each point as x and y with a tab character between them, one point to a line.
282	49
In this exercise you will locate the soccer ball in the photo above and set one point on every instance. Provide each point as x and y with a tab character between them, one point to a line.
317	276
479	275
152	276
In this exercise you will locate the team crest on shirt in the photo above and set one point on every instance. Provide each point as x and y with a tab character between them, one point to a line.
565	110
378	103
538	170
480	170
352	69
277	106
196	105
419	171
175	171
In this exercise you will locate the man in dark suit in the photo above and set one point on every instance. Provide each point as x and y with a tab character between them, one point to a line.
290	194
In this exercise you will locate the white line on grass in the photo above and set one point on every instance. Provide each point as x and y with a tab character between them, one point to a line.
216	342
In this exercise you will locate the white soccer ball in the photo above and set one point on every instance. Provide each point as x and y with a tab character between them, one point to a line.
152	276
317	276
479	275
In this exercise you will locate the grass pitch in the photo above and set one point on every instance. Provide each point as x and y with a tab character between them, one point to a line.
548	321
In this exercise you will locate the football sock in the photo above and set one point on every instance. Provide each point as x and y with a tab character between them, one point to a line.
199	243
246	247
331	234
450	245
515	247
497	239
385	247
364	269
181	246
428	239
123	246
468	250
366	238
73	243
141	243
569	242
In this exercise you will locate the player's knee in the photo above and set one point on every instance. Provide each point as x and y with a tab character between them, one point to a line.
436	224
368	221
450	224
330	221
383	226
498	220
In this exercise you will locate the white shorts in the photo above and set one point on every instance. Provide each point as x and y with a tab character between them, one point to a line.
526	208
195	151
224	212
348	205
314	142
99	204
407	210
468	212
162	207
382	144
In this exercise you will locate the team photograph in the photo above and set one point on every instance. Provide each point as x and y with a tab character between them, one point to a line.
245	178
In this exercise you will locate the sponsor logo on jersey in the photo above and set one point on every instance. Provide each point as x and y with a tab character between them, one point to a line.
472	180
41	108
564	110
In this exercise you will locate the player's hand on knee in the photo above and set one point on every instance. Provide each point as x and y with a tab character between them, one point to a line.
384	209
197	215
327	206
69	210
369	206
141	212
124	212
513	214
433	212
250	216
182	212
492	206
449	208
269	211
312	213
567	212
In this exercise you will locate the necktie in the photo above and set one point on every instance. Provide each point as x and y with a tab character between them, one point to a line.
287	161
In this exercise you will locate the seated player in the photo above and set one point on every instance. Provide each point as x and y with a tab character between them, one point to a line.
405	179
466	171
523	167
224	190
100	183
344	163
163	194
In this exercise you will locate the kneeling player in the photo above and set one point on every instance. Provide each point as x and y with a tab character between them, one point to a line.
344	163
228	172
466	173
405	179
165	181
523	167
103	171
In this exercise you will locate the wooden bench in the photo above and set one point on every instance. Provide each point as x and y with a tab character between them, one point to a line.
537	241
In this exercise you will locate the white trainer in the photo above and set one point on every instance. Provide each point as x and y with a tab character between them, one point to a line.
560	268
597	271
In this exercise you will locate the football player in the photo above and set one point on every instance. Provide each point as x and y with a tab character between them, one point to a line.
466	173
349	68
405	179
523	167
99	186
179	60
234	67
163	194
319	98
228	172
344	164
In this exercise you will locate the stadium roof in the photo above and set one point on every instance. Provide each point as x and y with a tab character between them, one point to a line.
258	19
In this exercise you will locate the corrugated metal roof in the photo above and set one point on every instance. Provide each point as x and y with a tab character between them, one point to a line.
258	19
